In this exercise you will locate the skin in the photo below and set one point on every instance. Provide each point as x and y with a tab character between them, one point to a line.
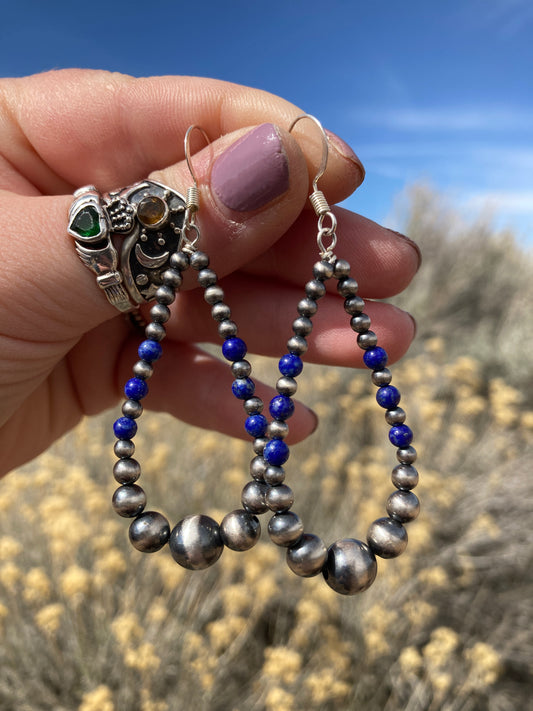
64	351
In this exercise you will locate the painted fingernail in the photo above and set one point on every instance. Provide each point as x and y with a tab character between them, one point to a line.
345	151
412	243
251	172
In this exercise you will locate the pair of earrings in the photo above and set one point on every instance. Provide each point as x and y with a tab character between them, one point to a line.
349	566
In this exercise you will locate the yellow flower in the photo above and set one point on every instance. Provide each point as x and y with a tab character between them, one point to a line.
48	618
277	698
440	648
75	581
148	704
410	661
485	666
222	633
324	686
158	611
10	574
100	699
37	586
111	564
435	577
282	663
9	548
143	658
236	599
127	629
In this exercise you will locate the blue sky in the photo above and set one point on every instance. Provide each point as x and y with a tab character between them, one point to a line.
434	92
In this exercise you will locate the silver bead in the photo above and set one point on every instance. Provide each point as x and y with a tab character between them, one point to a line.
308	556
277	429
259	444
172	277
132	408
129	500
407	455
354	305
164	295
179	260
315	289
387	538
347	287
155	331
143	369
381	377
404	476
302	326
253	405
241	369
195	542
341	269
360	323
395	416
280	498
286	385
220	311
160	313
207	277
351	567
214	294
127	471
258	467
285	528
240	530
149	532
124	448
253	497
403	506
307	307
323	270
367	340
227	328
199	260
297	345
274	475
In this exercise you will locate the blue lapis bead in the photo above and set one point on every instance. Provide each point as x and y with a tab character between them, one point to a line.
281	407
375	358
234	349
276	452
136	389
243	388
124	428
401	436
290	365
150	351
256	425
388	397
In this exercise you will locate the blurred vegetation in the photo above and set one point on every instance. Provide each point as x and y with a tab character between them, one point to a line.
89	624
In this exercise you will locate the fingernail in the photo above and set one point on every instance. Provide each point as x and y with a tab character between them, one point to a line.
251	172
412	243
345	151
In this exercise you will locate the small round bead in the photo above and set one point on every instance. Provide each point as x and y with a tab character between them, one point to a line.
387	538
285	528
241	369
214	294
406	455
207	277
234	349
129	500
160	313
227	328
254	497
403	506
127	471
132	408
341	269
286	386
164	295
259	444
347	287
199	260
149	532
172	278
151	350
274	475
220	311
323	270
315	289
360	323
253	405
258	466
307	307
243	388
278	430
179	260
302	326
280	498
396	416
154	332
400	436
297	345
124	448
404	476
351	567
381	377
354	305
308	556
136	388
290	365
276	452
256	425
124	428
195	542
143	370
375	358
367	340
240	530
281	407
388	397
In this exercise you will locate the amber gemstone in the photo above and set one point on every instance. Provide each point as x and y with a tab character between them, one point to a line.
86	223
151	211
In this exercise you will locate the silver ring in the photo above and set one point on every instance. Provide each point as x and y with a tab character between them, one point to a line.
127	237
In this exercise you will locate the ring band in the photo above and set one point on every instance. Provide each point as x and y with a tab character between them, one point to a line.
127	237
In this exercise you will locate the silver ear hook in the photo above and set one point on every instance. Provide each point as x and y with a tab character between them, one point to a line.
318	199
193	195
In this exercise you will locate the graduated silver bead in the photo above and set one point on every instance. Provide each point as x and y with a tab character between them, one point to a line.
241	369
286	385
280	498
307	307
407	455
220	311
351	566
367	340
307	557
227	328
274	475
129	500
323	270
240	530
214	294
195	542
302	326
347	287
315	289
124	448
127	471
381	377
149	532
254	497
285	528
403	506
172	278
404	476
387	538
354	305
278	429
143	369
297	345
341	269
155	331
160	313
199	260
253	405
207	277
258	467
395	416
132	408
164	295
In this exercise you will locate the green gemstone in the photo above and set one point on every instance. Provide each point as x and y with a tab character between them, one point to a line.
87	222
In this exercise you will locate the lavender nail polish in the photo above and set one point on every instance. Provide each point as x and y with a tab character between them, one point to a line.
251	172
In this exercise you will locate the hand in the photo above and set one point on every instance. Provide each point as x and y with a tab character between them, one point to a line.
65	351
